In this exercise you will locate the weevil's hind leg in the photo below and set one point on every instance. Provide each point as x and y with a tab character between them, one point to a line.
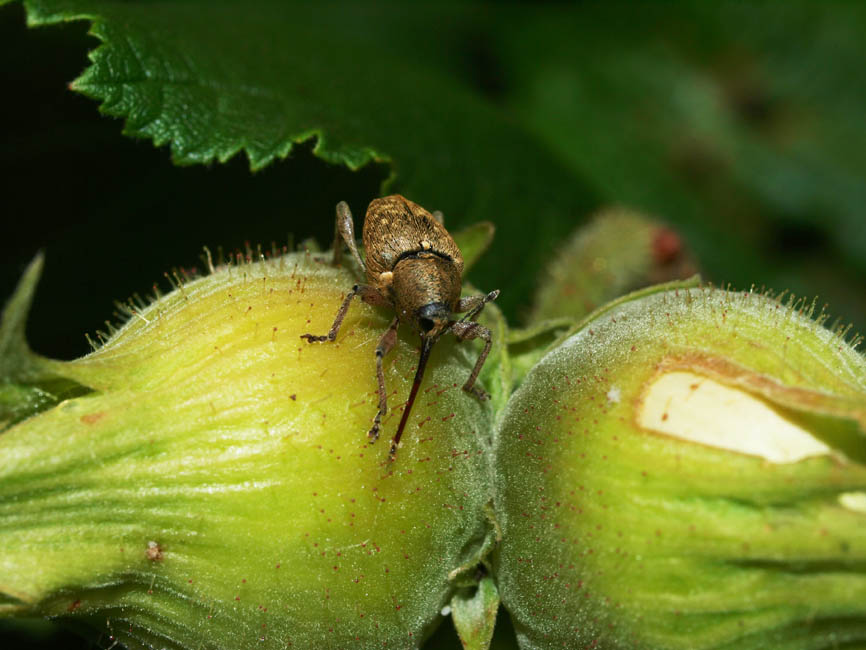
344	232
474	304
368	294
389	338
437	214
465	331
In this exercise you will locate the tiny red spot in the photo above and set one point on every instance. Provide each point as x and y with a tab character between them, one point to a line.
666	245
92	418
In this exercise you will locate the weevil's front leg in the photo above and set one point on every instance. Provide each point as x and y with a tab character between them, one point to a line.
389	338
465	331
474	304
344	229
368	294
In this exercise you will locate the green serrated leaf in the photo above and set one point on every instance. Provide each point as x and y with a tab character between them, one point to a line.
474	613
259	77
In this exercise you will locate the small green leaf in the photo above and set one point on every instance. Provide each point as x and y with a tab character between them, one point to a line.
474	613
528	345
16	360
474	241
28	383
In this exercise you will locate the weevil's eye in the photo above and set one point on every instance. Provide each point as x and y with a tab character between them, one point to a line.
426	324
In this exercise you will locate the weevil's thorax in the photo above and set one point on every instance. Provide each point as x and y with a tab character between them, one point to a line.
425	290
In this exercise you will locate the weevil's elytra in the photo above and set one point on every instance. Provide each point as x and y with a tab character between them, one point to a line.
413	266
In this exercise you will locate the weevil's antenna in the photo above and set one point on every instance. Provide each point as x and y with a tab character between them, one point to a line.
426	346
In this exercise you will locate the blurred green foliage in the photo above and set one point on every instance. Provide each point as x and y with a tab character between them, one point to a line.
739	125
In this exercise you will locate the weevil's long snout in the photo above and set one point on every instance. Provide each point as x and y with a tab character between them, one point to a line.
426	346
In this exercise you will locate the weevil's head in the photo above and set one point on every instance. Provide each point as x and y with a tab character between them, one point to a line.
425	290
432	319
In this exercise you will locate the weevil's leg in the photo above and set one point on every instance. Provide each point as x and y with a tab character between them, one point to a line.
437	214
465	331
474	304
368	294
344	229
389	338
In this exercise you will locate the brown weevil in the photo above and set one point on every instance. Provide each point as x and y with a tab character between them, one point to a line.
413	266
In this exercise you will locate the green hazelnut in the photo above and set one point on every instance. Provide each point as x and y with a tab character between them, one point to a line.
215	488
687	470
